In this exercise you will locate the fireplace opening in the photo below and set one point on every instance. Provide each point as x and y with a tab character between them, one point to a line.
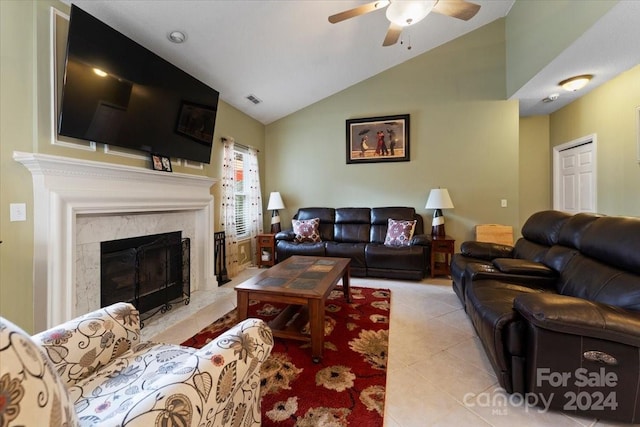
151	272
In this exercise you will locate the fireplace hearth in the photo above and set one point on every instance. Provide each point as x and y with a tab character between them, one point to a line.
151	272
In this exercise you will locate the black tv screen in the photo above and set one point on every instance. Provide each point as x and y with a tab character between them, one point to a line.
118	92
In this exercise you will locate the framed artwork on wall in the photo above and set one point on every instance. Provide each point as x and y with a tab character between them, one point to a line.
378	139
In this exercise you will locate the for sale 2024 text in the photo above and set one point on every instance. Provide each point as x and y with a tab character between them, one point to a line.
582	378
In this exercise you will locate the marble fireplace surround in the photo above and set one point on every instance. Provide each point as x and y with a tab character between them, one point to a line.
75	198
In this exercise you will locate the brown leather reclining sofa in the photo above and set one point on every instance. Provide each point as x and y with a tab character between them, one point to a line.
359	234
558	313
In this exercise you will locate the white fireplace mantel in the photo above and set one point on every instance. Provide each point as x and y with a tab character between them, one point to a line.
64	188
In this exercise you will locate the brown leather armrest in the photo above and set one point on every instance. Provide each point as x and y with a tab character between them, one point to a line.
484	250
523	266
577	316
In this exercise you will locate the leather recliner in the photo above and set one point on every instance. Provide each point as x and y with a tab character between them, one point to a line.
561	322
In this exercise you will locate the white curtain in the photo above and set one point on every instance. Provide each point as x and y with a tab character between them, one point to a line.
228	207
254	195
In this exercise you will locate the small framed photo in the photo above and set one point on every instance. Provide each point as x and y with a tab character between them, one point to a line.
378	139
161	163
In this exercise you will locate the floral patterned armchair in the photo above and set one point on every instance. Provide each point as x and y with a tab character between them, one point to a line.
93	370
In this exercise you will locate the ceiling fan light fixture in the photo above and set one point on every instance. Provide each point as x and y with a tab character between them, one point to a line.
576	83
405	13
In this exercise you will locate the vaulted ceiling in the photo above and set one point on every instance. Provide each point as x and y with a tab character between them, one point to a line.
287	54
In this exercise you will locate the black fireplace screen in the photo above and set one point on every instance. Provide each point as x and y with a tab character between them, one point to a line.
148	271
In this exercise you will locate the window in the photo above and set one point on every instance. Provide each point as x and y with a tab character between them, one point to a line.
242	208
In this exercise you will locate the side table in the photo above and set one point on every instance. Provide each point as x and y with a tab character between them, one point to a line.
443	245
266	250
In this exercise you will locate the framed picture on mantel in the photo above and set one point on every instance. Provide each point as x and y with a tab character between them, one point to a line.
378	139
161	163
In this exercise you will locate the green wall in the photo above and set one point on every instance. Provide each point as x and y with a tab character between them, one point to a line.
611	113
463	136
535	167
17	132
25	125
538	31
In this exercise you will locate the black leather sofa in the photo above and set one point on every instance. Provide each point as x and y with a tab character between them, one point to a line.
558	313
359	234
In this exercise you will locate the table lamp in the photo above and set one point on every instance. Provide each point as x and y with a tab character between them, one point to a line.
275	203
438	199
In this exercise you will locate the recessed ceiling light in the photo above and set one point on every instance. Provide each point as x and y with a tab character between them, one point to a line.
575	83
177	36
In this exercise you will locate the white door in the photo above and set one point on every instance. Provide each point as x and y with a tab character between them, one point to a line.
574	176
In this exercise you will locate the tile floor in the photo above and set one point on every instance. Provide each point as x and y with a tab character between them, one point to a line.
436	363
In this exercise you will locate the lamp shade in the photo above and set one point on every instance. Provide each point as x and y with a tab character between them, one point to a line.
275	201
439	199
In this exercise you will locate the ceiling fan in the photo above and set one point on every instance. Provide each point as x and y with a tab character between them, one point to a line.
403	13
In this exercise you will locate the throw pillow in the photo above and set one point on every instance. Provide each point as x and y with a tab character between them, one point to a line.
306	230
399	232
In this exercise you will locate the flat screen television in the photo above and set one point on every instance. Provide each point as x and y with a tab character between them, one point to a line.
118	92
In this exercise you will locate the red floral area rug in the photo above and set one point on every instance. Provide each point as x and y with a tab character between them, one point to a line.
347	387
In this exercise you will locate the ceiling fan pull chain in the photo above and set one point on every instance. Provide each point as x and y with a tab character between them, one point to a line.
408	35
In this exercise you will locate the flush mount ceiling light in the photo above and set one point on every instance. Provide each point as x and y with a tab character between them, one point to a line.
177	36
99	72
576	83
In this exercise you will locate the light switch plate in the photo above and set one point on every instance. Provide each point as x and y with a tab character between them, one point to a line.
18	212
503	203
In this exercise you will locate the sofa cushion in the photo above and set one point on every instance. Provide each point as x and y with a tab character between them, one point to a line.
352	225
586	278
573	229
306	230
395	257
532	251
614	241
31	392
380	221
544	227
399	232
489	304
327	219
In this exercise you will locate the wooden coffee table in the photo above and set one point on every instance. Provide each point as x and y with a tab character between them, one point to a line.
303	282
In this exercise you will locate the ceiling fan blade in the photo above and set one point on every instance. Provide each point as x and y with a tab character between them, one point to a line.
357	11
460	9
393	34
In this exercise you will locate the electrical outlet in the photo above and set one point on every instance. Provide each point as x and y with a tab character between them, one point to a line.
17	212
